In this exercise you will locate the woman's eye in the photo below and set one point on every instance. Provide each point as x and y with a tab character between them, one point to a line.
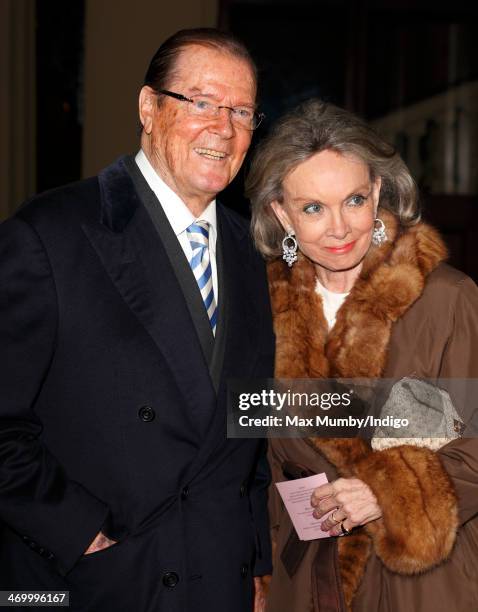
312	208
357	200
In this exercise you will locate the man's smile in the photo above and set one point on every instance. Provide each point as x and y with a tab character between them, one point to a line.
210	153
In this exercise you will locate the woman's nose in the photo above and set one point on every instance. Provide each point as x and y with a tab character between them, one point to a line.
338	227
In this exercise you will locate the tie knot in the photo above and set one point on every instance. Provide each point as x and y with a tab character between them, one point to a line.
198	234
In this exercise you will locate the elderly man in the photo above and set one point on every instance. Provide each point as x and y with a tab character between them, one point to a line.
128	301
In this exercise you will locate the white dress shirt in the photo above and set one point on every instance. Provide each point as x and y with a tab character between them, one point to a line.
179	215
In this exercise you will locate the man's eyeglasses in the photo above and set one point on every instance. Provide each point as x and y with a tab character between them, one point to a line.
242	116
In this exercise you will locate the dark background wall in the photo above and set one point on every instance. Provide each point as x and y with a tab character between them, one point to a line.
410	67
60	86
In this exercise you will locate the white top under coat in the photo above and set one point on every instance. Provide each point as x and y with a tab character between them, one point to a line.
331	302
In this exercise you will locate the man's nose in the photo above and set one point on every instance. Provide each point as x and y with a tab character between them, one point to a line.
222	123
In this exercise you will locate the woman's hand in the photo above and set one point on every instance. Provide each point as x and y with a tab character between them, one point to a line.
354	504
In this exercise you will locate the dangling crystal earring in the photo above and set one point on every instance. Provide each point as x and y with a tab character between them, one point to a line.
379	235
289	248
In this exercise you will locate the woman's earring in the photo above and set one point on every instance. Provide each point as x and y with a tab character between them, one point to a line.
289	248
379	235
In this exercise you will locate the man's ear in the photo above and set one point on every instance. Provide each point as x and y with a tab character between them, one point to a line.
146	103
281	215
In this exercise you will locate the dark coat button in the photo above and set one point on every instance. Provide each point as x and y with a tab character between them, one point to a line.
170	580
244	570
185	492
243	489
146	414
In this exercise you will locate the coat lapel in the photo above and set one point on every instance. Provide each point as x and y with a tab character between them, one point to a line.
136	261
239	328
179	263
242	316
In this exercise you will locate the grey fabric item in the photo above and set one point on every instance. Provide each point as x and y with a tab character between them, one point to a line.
432	418
213	349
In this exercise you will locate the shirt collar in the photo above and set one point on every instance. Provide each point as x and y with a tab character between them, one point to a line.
178	214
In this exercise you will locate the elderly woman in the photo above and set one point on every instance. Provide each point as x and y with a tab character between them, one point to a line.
359	289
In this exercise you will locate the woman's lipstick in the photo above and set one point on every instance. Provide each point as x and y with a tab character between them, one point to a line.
344	248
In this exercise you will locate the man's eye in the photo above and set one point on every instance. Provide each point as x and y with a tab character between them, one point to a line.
243	113
357	200
202	105
312	208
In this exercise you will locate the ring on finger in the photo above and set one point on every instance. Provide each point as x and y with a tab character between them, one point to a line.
332	517
344	529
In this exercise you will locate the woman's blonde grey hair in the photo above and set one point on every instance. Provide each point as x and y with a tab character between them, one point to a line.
312	127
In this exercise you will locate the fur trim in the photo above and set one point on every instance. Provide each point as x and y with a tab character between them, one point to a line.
344	453
414	480
391	280
293	299
354	551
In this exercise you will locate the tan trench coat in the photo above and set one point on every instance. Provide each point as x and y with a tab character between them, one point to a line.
434	334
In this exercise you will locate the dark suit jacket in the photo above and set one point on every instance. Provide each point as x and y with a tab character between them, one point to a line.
109	415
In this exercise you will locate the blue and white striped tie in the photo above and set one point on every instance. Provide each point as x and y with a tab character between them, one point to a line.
198	234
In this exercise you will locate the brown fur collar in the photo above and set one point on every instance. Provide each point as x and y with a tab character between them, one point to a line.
392	279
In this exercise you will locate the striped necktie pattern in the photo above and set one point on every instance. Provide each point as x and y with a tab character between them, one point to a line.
198	234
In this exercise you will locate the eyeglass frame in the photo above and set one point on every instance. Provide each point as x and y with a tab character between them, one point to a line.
182	98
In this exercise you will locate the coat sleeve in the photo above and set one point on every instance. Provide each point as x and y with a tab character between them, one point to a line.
460	460
424	495
459	371
37	500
